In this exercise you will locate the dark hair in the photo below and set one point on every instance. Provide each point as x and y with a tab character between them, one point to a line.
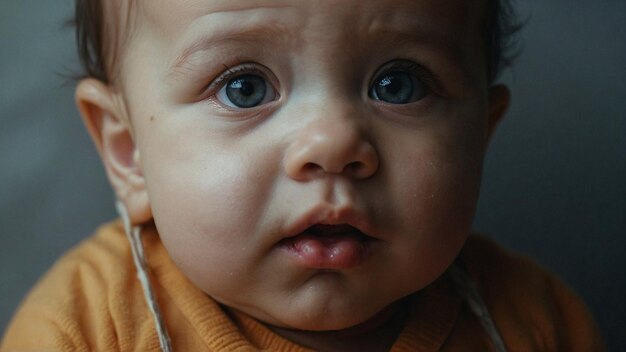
499	32
89	23
501	46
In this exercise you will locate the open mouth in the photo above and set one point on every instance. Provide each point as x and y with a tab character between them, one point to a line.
324	246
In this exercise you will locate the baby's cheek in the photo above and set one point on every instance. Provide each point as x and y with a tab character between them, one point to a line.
437	196
421	186
206	215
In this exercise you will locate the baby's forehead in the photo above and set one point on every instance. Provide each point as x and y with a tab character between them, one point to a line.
450	22
174	16
445	21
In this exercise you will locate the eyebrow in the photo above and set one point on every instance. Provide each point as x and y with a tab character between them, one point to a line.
234	32
445	48
256	34
436	41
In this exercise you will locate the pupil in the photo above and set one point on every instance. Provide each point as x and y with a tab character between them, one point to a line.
246	88
392	86
246	91
395	88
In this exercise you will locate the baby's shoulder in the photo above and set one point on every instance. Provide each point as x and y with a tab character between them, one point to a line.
528	302
77	304
92	270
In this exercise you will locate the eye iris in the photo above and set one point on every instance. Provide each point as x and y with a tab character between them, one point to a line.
246	91
396	88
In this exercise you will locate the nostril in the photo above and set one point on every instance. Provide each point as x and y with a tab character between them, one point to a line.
360	169
355	167
310	168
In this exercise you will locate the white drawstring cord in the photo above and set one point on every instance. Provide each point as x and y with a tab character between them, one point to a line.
466	288
134	237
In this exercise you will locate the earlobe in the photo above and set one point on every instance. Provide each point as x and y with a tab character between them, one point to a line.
107	121
499	101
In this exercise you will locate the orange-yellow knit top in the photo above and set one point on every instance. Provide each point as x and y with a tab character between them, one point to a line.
91	300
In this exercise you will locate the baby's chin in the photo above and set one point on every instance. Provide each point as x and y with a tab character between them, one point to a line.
305	316
320	322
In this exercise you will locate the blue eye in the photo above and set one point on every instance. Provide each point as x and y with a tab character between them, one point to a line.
398	87
246	91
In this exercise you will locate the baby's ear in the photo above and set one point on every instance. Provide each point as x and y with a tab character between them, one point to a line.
499	101
108	123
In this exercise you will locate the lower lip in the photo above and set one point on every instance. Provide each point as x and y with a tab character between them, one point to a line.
339	251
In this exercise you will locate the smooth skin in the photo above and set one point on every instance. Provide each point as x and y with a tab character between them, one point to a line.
323	143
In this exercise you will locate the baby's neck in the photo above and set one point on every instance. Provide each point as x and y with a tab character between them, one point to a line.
376	334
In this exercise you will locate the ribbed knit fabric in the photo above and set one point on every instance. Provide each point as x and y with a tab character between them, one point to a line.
91	300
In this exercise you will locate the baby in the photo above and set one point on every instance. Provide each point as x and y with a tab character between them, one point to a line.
295	175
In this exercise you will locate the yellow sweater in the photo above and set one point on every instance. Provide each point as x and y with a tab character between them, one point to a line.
91	300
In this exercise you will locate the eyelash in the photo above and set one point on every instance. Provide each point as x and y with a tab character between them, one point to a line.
232	72
420	71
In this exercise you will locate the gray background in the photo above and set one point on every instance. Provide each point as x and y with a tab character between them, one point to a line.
554	185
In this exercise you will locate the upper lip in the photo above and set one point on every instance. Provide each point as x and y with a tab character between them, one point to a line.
325	214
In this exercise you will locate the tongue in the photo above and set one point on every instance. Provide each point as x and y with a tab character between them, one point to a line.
329	247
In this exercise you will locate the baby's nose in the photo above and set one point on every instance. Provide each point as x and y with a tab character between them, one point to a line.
331	145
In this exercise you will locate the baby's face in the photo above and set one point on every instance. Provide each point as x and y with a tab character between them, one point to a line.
309	162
